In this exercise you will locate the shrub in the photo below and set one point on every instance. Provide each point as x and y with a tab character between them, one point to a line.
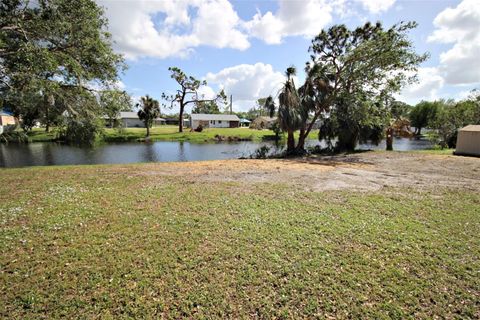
450	118
10	134
81	131
261	153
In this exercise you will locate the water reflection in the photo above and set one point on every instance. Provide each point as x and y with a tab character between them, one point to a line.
181	152
149	154
34	154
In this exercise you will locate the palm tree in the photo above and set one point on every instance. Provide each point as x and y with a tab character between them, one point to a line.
289	110
150	110
313	95
269	106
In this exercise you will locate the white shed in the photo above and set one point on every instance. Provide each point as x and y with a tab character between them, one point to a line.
214	120
468	141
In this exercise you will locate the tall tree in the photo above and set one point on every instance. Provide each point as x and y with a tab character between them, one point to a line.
51	46
423	114
149	111
269	106
81	124
452	116
188	93
399	109
114	101
367	63
353	120
289	114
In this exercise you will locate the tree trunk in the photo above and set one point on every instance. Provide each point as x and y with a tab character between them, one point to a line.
180	118
389	139
301	141
148	130
347	140
47	122
304	132
49	103
290	142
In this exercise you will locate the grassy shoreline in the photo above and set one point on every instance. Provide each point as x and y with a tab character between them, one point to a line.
165	133
168	133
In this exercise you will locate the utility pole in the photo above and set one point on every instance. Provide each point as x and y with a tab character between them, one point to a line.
231	104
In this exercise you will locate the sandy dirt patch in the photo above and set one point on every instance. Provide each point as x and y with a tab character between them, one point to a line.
362	171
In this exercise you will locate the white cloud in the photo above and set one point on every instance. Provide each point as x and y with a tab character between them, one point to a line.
174	28
138	31
247	83
377	6
293	18
460	26
216	25
206	92
427	87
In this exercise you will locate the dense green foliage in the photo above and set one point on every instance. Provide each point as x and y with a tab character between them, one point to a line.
452	116
81	131
399	110
49	49
81	123
209	107
112	102
354	120
423	114
349	81
149	111
445	118
358	71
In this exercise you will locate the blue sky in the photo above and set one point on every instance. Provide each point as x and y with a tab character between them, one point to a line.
244	46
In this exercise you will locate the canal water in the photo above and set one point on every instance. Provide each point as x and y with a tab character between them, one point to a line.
41	154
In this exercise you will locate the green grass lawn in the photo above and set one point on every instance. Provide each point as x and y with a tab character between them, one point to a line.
170	133
165	133
445	152
118	242
39	135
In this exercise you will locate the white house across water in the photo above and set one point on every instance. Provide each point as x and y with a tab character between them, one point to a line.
214	120
130	119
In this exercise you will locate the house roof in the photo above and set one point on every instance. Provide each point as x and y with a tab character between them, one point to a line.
132	115
128	115
219	117
471	127
5	113
245	120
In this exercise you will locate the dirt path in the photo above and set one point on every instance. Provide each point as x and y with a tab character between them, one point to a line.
362	171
